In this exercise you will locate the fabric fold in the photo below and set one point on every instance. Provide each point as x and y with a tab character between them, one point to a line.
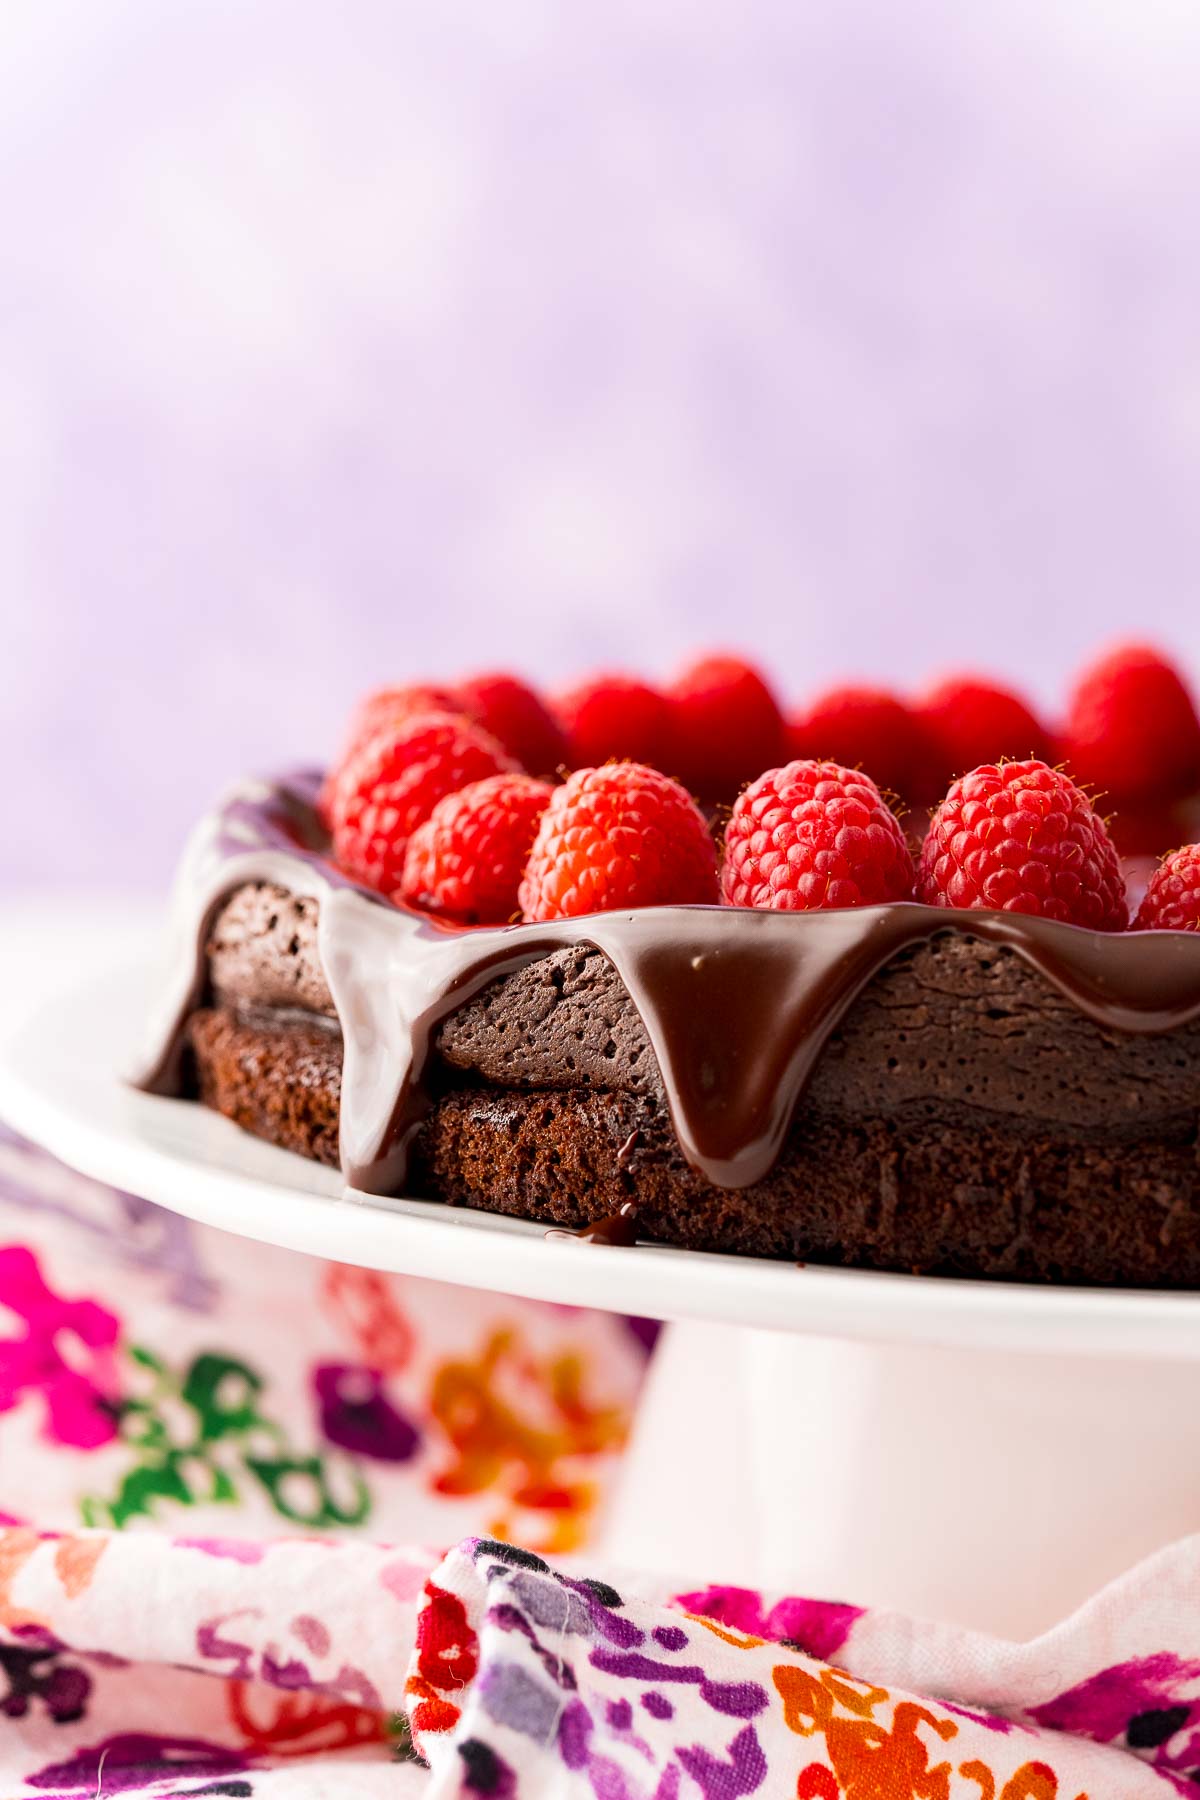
305	1667
527	1681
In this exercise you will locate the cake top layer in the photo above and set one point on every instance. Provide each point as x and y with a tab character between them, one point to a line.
951	1024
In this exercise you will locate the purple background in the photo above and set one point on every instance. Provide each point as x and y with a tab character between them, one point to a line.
347	343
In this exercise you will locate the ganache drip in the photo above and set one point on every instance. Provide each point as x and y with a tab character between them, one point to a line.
737	1004
619	1229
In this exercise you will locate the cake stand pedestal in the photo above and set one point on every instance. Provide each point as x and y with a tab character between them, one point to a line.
985	1453
991	1488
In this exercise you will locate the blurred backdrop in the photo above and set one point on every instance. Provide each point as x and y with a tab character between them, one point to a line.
348	343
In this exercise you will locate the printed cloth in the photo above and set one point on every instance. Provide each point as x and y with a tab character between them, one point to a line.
219	1464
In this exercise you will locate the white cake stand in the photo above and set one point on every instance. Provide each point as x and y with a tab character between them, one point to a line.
983	1453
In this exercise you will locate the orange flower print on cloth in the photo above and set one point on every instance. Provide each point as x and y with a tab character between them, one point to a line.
877	1749
515	1422
867	1757
1032	1782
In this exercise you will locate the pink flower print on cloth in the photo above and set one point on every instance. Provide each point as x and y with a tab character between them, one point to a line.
1150	1703
65	1353
819	1627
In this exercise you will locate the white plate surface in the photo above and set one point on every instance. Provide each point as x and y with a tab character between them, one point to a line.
60	1086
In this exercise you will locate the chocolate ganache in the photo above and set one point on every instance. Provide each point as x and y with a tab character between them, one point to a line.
736	1004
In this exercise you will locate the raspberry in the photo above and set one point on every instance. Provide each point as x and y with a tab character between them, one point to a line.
725	726
968	721
395	781
517	718
466	861
863	728
1131	726
622	835
384	707
814	836
388	706
613	716
1172	900
1021	837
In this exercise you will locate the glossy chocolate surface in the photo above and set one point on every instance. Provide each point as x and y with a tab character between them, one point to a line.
737	1004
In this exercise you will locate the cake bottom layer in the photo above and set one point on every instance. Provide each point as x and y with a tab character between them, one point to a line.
282	1081
959	1196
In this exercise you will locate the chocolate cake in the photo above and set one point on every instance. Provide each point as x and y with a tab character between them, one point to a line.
899	1087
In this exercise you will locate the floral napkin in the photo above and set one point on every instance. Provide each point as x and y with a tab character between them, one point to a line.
218	1465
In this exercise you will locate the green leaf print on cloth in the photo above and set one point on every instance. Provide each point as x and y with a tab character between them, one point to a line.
200	1438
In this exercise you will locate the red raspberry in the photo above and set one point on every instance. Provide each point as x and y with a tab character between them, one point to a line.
517	718
1021	837
395	781
388	706
620	836
1131	726
384	707
611	716
863	728
466	861
814	836
1172	900
725	726
968	721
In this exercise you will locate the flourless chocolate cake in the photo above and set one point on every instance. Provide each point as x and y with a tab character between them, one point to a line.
897	1087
